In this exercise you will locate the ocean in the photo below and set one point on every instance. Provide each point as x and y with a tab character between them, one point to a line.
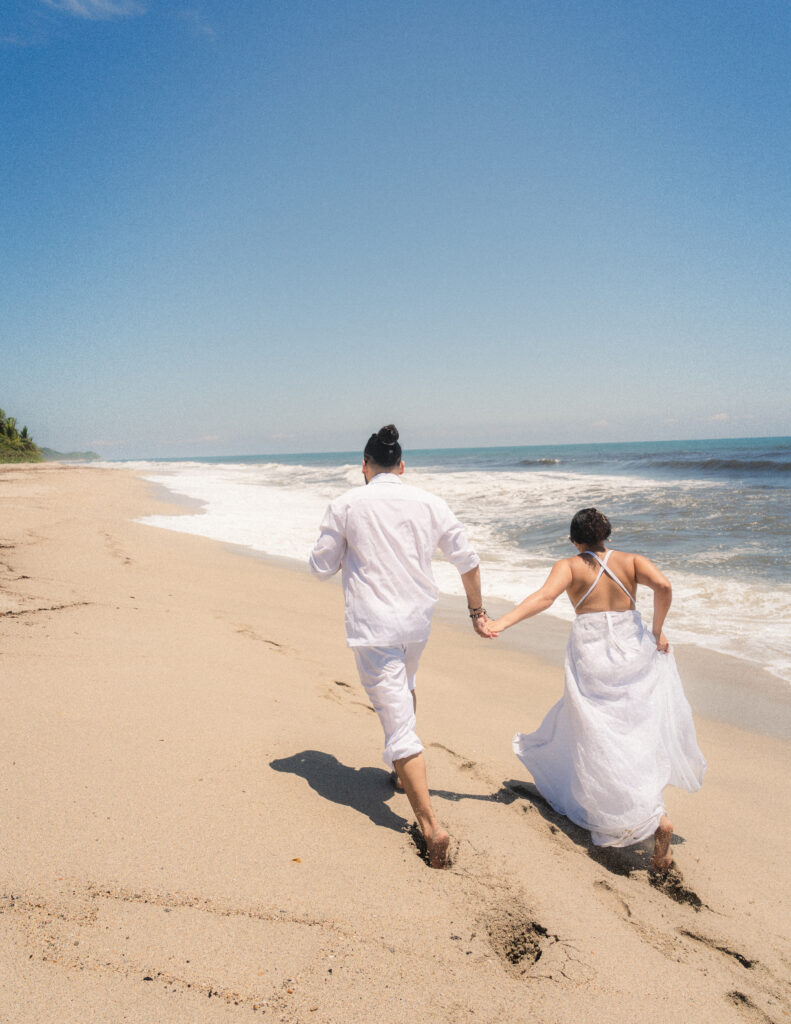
715	516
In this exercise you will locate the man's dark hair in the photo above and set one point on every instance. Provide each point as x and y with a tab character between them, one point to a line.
383	447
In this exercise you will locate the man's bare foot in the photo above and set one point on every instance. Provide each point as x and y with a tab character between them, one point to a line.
437	847
412	772
662	858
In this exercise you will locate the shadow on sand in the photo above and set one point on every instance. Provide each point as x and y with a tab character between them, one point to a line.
620	860
623	860
366	790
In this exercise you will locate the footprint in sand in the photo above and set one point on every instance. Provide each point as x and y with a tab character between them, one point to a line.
340	692
752	1013
713	944
464	764
611	896
516	938
771	990
248	631
68	931
672	885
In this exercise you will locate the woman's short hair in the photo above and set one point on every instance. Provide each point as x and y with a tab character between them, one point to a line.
383	447
589	526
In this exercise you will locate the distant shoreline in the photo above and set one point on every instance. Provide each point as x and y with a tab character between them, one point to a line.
353	454
50	455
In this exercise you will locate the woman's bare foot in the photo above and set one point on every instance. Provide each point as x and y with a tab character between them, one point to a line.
662	858
437	847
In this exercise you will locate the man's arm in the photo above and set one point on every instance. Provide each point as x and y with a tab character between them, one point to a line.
328	551
454	545
472	588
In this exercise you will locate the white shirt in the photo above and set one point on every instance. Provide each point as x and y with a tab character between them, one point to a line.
383	536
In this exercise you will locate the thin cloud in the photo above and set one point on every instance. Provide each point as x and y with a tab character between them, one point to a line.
205	439
13	41
198	23
720	417
97	10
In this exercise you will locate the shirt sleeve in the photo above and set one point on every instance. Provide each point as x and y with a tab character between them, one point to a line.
328	551
454	545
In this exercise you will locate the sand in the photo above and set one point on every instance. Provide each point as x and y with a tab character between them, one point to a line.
197	826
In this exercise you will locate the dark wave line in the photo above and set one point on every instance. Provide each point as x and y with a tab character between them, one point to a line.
727	465
709	465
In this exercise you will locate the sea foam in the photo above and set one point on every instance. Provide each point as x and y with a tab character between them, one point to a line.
724	598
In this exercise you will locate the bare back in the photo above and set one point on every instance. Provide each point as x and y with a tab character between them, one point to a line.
607	595
577	577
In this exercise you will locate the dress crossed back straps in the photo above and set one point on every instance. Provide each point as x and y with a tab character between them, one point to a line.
603	569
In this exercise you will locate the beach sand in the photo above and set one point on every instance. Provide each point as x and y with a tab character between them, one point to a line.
196	825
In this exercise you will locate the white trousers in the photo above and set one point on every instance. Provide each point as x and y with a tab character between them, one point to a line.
388	676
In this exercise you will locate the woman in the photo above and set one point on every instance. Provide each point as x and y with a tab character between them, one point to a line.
623	728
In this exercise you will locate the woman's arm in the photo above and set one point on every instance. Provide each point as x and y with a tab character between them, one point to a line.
648	574
559	579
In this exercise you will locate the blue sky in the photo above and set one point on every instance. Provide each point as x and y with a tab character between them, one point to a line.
257	227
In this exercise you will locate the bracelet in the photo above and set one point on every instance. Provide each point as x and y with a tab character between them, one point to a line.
476	613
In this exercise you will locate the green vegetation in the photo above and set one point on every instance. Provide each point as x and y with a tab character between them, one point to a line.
52	456
16	445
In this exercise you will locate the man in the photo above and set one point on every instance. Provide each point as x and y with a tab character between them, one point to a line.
383	537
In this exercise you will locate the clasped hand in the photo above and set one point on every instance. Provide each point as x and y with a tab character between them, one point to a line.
482	626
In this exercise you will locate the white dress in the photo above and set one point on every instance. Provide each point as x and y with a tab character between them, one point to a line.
621	732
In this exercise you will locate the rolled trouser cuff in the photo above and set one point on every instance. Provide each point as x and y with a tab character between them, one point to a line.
401	747
388	676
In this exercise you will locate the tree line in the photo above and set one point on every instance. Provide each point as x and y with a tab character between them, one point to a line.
16	445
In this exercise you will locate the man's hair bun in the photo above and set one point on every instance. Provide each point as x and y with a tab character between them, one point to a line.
383	447
388	435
